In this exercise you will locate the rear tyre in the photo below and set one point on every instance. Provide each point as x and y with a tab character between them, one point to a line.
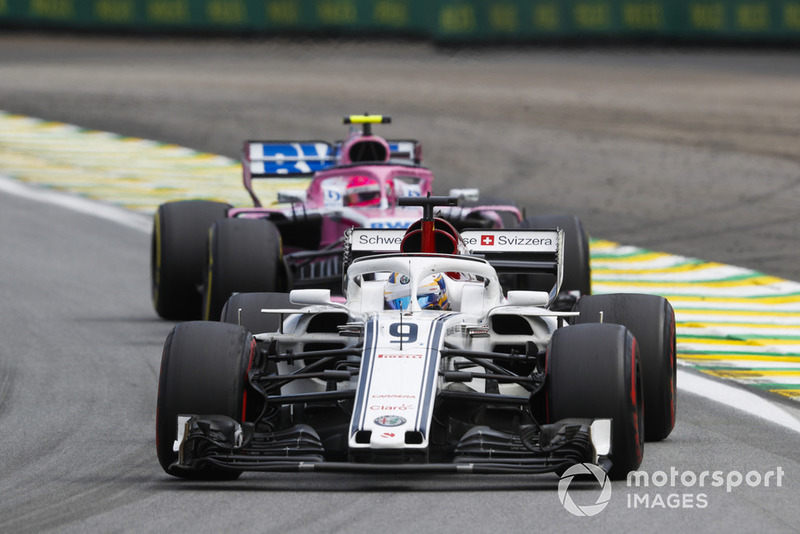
577	269
651	319
245	309
203	372
593	371
178	256
244	255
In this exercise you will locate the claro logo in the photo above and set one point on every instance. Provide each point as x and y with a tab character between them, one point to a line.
392	407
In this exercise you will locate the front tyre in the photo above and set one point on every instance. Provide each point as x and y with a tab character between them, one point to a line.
203	372
593	371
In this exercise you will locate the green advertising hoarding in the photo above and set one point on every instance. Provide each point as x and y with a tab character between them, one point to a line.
441	20
531	20
402	16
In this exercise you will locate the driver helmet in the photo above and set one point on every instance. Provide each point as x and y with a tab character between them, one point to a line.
431	293
362	191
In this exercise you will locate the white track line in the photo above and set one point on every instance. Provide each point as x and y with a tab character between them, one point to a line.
137	221
738	398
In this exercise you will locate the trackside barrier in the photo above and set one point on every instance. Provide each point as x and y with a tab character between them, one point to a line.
440	20
261	16
531	20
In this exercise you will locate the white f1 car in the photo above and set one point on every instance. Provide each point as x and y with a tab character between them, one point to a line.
426	364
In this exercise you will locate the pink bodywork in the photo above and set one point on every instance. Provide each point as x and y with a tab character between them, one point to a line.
363	156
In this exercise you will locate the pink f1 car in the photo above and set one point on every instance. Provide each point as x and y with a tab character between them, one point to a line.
205	251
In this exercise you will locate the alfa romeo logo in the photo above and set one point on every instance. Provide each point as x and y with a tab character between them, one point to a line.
390	420
589	509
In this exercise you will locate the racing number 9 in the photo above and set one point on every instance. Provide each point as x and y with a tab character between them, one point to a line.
407	332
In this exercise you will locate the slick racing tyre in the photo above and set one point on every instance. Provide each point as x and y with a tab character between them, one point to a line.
244	255
178	256
593	371
244	309
651	319
577	269
203	372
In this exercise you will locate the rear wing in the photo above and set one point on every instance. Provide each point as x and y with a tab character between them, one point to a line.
509	251
271	159
262	159
298	159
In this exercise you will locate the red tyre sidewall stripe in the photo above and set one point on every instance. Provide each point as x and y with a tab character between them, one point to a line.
246	374
160	381
635	400
547	382
672	368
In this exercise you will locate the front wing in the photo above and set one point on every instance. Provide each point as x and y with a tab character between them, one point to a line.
224	443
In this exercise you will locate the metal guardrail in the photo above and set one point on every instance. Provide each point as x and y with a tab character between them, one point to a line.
440	20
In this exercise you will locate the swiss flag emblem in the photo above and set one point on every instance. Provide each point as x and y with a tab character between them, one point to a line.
487	240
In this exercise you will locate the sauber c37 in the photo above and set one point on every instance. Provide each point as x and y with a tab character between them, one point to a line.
426	363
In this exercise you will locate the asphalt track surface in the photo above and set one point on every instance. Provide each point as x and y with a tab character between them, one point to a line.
688	152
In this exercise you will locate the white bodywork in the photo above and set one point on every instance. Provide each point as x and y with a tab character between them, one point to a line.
401	357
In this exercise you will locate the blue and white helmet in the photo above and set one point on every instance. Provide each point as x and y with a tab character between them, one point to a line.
431	294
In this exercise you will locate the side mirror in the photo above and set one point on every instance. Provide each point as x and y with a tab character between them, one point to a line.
310	297
527	298
292	197
468	195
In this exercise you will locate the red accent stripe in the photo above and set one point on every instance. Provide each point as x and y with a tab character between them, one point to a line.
428	237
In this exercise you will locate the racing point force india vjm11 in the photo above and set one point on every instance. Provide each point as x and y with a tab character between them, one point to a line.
204	251
424	365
